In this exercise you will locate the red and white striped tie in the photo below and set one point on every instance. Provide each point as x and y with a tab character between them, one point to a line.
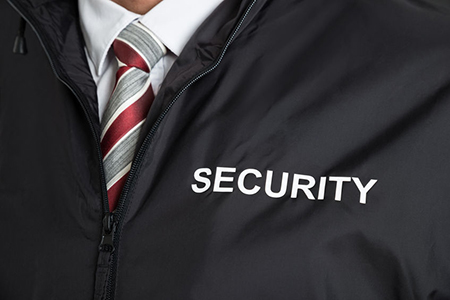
137	50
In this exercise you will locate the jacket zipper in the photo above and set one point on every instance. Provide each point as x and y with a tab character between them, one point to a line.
112	222
122	205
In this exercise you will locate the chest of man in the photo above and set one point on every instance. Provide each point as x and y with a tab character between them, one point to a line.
316	169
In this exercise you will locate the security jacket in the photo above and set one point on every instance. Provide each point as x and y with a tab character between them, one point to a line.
296	150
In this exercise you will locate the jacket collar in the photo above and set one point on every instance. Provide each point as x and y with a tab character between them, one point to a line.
202	51
56	23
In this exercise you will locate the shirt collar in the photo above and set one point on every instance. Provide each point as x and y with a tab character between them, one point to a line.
172	21
175	21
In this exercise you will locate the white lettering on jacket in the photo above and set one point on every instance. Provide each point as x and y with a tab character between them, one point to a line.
302	185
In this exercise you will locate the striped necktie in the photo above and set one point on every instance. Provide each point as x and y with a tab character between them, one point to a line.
137	50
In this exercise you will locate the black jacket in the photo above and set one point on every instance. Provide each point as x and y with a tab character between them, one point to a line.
296	150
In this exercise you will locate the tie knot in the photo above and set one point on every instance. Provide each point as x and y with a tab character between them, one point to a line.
136	46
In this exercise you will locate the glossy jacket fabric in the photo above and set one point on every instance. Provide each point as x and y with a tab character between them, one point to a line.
297	150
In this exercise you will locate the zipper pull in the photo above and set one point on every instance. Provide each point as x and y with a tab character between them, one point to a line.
109	229
20	44
106	249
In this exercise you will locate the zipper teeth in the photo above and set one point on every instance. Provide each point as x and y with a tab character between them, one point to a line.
147	141
77	95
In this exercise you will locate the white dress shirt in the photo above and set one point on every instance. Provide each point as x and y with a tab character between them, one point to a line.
172	21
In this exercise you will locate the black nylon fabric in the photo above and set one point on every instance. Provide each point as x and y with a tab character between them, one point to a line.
49	179
346	89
